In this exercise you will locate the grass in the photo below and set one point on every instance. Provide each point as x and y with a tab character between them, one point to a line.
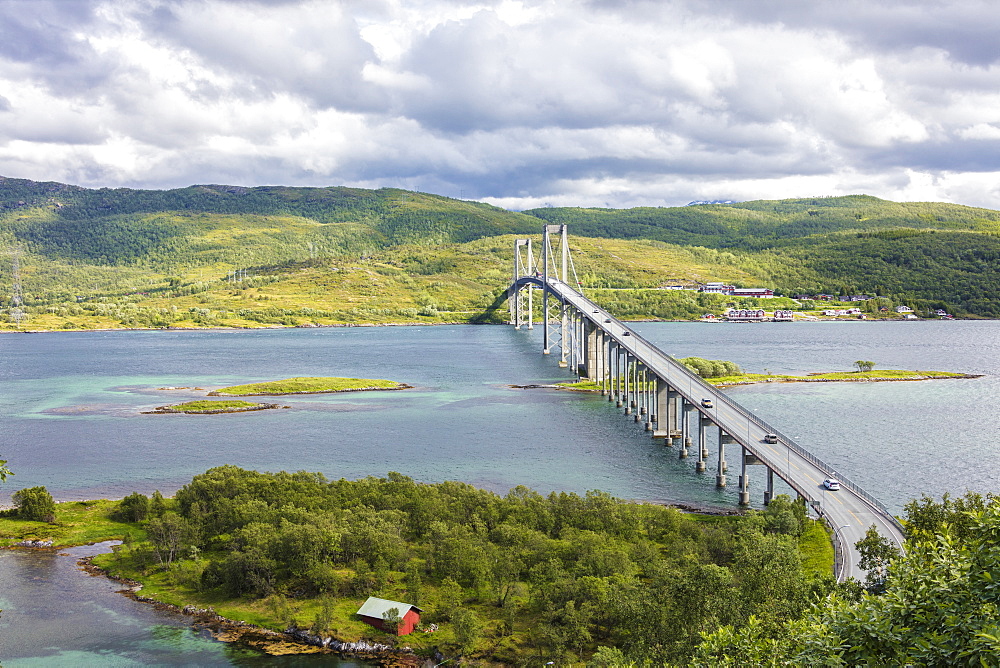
305	385
748	378
76	523
277	611
816	549
206	405
885	374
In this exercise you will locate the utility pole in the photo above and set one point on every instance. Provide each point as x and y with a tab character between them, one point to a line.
17	315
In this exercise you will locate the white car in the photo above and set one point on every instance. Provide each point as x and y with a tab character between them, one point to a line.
706	403
831	484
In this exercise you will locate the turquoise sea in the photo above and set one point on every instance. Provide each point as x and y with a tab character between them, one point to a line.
71	405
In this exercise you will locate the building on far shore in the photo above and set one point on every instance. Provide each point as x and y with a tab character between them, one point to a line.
745	315
732	290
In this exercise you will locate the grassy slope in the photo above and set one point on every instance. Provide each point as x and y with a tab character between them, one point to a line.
77	523
120	258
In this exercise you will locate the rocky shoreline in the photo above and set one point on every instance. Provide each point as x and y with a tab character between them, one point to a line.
275	643
171	410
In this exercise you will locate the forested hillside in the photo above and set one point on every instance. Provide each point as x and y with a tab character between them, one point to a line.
225	255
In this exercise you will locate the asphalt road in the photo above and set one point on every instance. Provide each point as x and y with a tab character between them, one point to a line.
849	512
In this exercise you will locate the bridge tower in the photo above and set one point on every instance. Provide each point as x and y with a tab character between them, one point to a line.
555	265
560	270
521	309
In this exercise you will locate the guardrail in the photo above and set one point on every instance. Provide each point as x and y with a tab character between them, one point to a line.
674	365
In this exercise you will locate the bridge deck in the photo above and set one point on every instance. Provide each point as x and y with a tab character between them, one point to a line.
849	512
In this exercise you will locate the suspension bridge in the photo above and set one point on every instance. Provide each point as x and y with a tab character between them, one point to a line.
676	405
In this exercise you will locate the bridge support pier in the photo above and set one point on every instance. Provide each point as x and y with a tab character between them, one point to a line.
660	411
703	424
686	410
649	393
619	380
640	396
744	481
673	415
769	492
720	474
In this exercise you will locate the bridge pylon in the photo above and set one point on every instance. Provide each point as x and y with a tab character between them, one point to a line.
521	308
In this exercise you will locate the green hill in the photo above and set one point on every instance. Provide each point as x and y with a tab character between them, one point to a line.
214	255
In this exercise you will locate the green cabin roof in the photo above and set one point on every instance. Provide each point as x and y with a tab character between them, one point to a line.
375	607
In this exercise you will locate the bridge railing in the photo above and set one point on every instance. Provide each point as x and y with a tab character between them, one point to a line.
789	443
694	379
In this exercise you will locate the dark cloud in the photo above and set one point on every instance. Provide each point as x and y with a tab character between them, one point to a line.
965	29
43	35
953	155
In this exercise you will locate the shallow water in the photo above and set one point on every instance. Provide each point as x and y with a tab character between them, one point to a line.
55	614
71	406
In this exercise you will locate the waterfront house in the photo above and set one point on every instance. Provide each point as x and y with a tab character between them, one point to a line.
377	612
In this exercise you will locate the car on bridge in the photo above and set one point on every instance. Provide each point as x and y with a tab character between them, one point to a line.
831	484
770	438
707	403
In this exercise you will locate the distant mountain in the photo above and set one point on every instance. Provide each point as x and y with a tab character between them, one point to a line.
81	243
698	202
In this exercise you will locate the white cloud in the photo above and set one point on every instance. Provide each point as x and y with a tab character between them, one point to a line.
518	102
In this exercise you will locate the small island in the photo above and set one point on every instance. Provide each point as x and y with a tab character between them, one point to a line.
203	407
883	375
726	374
307	385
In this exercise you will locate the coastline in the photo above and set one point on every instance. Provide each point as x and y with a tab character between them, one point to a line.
237	328
273	643
580	387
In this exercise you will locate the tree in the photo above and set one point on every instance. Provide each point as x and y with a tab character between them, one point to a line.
467	628
4	471
864	365
391	620
168	534
939	608
157	506
413	581
35	503
877	554
134	507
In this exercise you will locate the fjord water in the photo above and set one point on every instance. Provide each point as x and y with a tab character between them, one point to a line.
72	420
72	403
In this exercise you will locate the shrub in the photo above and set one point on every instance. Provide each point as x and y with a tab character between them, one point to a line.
134	507
35	503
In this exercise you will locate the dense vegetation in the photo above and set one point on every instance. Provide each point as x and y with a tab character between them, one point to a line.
935	606
231	256
510	578
711	368
526	578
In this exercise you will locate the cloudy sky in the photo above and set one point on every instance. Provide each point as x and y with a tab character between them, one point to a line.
521	103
